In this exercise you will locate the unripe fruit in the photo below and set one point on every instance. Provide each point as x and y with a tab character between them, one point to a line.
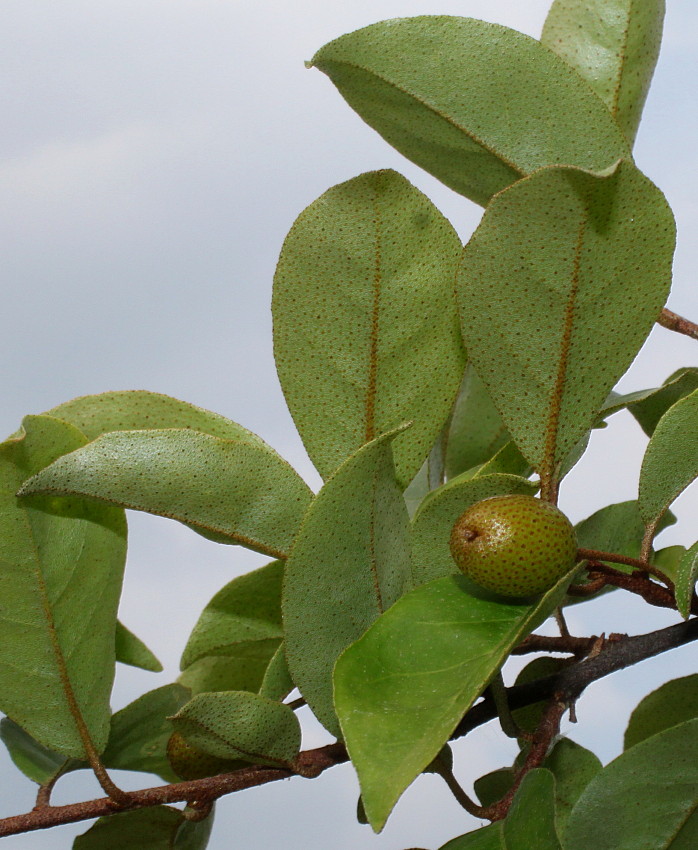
190	763
514	545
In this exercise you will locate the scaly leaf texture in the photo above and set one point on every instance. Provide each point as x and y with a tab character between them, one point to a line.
140	731
647	797
137	410
476	104
238	492
670	463
559	261
62	567
240	725
38	763
349	564
366	332
613	45
401	689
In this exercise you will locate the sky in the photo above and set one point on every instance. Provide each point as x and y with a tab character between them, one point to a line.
154	156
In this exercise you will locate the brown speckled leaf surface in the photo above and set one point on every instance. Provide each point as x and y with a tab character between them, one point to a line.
365	324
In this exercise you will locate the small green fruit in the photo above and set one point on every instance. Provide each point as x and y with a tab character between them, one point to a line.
190	763
513	545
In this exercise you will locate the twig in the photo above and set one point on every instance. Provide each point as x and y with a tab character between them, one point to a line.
611	557
673	322
569	683
446	773
546	731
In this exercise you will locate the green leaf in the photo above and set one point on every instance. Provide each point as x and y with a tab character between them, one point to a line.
421	83
402	688
160	828
430	475
573	767
140	731
366	332
36	762
277	683
579	252
616	528
131	650
242	493
613	45
531	819
245	612
240	725
477	431
494	785
649	410
672	703
431	526
243	670
62	563
671	459
527	718
137	410
350	562
486	838
647	797
686	577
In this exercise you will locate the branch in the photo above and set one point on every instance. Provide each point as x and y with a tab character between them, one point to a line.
674	322
564	686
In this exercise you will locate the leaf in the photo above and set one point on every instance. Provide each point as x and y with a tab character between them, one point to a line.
247	611
240	725
241	493
277	683
431	526
401	689
687	575
243	670
648	411
36	762
647	797
616	528
140	731
613	46
488	837
136	410
671	461
349	563
573	767
62	564
131	650
579	252
429	477
531	819
477	431
494	785
365	326
672	703
159	828
528	717
421	83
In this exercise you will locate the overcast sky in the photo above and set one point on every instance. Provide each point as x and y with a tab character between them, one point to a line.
154	155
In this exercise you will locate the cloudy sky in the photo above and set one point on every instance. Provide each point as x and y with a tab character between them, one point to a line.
154	155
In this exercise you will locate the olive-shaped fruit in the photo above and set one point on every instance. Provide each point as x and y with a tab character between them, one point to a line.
514	545
190	763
